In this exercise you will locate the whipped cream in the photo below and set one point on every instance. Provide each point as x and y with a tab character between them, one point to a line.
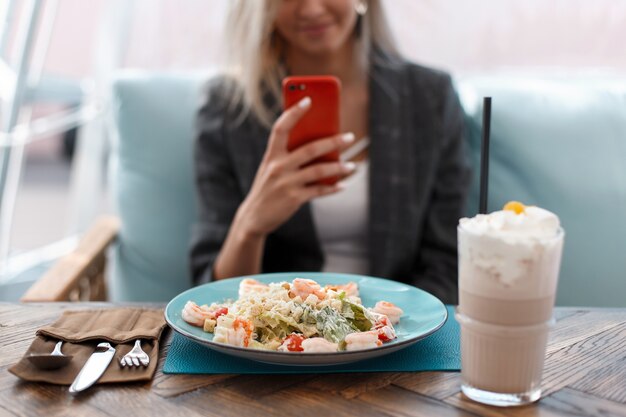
510	256
533	223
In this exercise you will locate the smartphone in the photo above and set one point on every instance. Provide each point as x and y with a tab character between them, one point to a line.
322	118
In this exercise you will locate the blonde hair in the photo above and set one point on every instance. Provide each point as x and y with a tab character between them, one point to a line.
254	60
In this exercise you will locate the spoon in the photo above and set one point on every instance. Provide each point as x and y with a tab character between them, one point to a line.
54	360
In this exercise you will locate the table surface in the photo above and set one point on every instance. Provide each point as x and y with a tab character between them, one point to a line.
584	375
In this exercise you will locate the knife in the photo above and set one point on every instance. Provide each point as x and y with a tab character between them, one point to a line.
93	368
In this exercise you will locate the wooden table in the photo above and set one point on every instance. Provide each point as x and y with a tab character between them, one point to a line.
585	375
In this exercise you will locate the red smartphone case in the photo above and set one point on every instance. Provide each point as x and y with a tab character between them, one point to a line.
321	120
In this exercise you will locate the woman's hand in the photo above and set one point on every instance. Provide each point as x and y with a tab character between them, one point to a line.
283	182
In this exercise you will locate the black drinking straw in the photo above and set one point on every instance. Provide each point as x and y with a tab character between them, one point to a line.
484	155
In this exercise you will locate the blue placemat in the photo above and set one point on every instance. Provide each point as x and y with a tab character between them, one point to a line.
438	352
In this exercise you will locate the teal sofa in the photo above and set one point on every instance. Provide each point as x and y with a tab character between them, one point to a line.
557	142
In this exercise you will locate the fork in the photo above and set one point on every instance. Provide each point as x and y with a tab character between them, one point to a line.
135	356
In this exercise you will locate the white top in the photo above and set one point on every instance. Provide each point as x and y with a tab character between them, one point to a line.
341	220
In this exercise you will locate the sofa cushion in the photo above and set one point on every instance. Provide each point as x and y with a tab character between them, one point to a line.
560	143
152	186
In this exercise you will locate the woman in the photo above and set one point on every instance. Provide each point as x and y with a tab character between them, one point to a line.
395	213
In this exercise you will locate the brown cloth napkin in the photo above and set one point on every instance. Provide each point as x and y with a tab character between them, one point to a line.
83	330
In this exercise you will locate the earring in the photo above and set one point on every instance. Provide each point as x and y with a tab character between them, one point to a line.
361	7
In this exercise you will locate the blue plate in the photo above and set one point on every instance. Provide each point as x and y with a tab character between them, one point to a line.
423	315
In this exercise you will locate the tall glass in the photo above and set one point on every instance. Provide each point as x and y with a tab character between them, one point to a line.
507	287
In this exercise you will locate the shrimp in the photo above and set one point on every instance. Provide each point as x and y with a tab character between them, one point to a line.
305	287
390	310
243	329
383	326
195	314
386	333
237	335
318	345
351	288
362	340
250	286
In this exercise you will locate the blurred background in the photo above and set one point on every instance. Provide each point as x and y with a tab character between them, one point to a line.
58	58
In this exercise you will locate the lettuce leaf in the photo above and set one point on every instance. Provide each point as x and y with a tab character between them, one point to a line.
332	325
356	316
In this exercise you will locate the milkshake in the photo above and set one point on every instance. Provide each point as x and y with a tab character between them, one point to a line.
508	271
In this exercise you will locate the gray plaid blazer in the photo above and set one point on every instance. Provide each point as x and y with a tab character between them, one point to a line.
418	182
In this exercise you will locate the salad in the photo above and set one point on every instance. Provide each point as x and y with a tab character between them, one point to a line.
297	316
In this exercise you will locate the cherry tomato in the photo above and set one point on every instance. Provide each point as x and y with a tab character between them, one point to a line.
385	334
294	342
384	329
220	312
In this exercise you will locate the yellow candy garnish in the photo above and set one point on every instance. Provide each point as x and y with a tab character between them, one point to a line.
515	206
